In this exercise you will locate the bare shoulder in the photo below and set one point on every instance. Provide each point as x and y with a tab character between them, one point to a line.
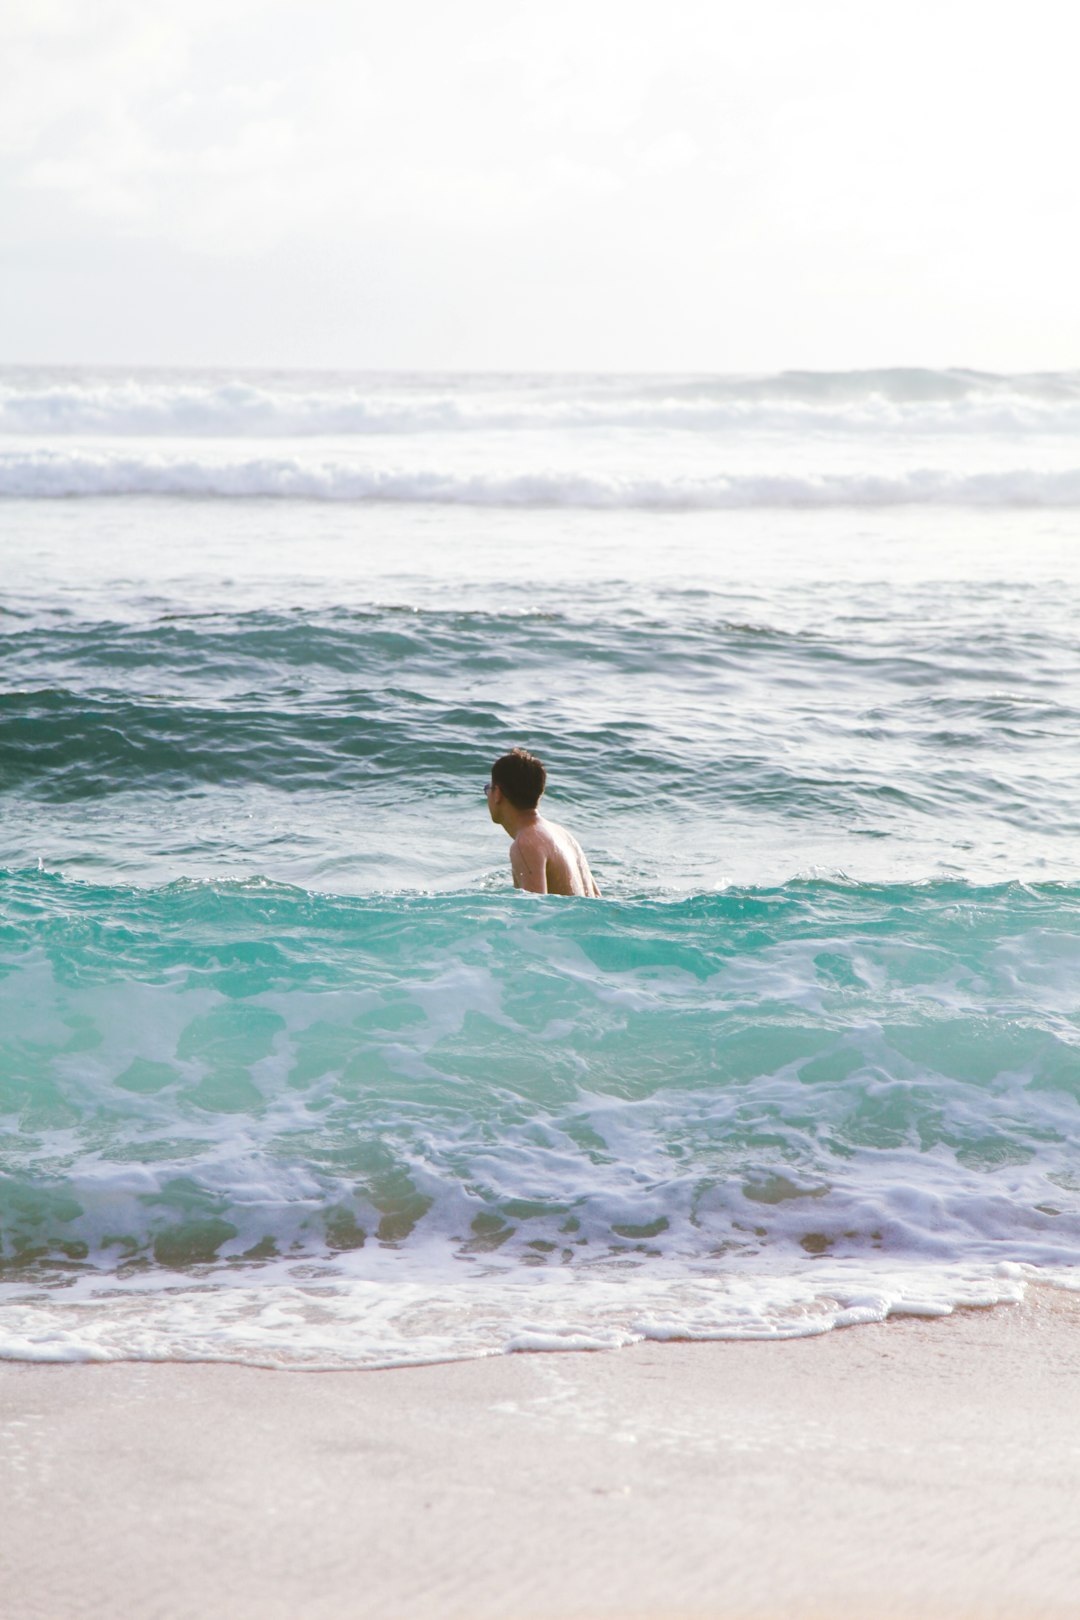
551	850
541	835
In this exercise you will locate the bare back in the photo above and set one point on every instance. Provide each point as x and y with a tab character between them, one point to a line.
546	859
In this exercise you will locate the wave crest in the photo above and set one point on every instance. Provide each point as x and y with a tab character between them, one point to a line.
37	474
276	405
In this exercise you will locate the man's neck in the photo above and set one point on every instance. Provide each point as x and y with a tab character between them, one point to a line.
516	820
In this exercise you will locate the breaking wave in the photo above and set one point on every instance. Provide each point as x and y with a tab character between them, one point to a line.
54	473
758	1112
279	405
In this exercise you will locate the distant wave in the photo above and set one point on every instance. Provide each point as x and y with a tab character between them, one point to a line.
298	405
51	473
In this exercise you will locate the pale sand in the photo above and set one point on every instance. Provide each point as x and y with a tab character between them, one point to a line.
917	1470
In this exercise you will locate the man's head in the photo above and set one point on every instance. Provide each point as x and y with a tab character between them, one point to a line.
518	777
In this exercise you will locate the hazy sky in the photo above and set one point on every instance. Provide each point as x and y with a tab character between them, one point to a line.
569	183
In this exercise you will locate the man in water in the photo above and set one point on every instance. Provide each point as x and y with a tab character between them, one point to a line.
544	858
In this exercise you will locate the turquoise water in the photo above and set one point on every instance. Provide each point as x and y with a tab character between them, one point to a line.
822	1068
288	1073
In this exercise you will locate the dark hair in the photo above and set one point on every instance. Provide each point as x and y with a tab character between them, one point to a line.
521	777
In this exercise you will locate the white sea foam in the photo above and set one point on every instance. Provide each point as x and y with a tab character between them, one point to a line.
325	1318
279	405
56	473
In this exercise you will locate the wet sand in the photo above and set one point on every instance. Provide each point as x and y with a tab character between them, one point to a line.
922	1470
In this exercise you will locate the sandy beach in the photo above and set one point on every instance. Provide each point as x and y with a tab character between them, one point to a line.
918	1469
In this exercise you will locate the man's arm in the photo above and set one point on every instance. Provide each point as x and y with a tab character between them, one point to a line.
529	868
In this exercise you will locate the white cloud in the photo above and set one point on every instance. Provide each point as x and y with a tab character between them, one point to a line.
668	153
717	178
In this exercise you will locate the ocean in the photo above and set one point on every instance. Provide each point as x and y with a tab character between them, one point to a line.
291	1076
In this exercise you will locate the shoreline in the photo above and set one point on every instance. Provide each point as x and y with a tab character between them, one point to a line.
909	1470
